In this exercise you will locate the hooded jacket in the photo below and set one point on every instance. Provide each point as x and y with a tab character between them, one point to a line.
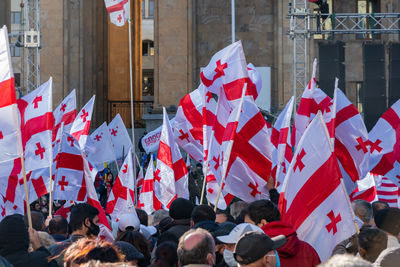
295	252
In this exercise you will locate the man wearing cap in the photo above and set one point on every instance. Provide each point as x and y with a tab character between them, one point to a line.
232	238
256	249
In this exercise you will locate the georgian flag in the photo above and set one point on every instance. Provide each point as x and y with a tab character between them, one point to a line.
119	11
147	198
119	136
387	191
65	113
212	189
366	189
318	209
81	125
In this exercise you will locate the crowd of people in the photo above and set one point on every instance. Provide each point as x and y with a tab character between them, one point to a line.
250	234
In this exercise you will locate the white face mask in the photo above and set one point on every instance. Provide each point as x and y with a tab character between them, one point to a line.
229	258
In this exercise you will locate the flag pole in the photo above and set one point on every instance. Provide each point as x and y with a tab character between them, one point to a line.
28	209
131	91
229	148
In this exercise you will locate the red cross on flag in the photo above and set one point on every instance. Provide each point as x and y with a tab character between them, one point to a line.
313	199
212	189
99	148
81	125
120	137
312	100
384	145
119	11
147	198
173	181
122	195
282	153
66	113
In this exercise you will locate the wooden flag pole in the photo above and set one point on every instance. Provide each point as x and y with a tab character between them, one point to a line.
28	208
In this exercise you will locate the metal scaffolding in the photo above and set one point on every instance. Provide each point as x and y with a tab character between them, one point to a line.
32	44
304	24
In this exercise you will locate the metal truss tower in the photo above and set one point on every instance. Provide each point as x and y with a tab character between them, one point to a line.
32	44
304	24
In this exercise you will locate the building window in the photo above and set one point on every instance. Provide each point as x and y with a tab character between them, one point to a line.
151	9
148	83
148	9
15	17
17	78
147	48
15	51
143	9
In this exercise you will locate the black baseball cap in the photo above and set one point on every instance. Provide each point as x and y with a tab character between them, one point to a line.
252	246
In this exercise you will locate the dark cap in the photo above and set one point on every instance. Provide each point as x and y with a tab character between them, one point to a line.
252	246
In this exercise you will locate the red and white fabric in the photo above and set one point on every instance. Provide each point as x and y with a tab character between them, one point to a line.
384	145
119	11
140	176
99	148
171	176
282	153
10	133
212	188
119	137
365	190
316	208
312	100
122	195
387	191
81	125
147	198
65	210
65	113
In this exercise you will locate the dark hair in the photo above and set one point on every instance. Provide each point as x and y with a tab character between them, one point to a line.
143	217
379	205
198	254
229	217
363	210
79	213
263	209
85	250
167	237
181	209
37	220
373	241
58	225
167	252
138	240
274	196
388	220
203	213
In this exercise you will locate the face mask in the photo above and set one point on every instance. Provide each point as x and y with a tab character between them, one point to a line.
229	258
94	229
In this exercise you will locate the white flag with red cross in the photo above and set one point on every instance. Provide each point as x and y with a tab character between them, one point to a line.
366	189
119	137
312	100
140	176
384	145
122	195
65	113
212	189
10	133
81	125
351	141
147	198
99	148
282	153
171	176
119	11
313	199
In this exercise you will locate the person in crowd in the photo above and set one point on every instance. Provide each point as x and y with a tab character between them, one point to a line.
180	211
37	220
379	205
86	249
128	221
265	215
274	196
388	220
109	183
363	210
203	216
345	260
166	255
58	228
36	206
132	255
83	223
223	216
45	239
371	242
232	238
224	229
138	240
196	187
14	243
143	217
196	248
257	249
158	216
388	258
237	208
193	187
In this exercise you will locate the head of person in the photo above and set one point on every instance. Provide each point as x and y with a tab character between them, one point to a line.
345	260
166	253
379	205
388	220
261	212
223	230
237	207
132	255
181	209
128	221
256	249
37	220
159	215
371	242
137	239
230	240
143	217
58	225
83	220
110	178
222	217
196	246
363	210
202	213
14	235
85	250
